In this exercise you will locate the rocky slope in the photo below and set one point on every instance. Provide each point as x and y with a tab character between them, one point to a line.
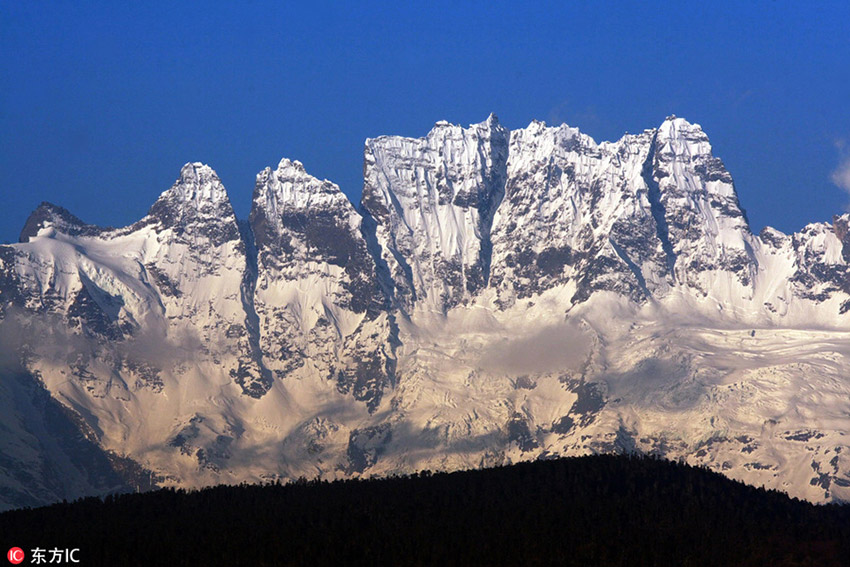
498	296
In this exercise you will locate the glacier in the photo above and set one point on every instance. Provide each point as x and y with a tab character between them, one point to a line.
497	296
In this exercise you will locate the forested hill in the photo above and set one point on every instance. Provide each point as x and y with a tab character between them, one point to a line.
600	510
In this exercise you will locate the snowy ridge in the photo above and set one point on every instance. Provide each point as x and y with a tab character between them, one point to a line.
703	218
318	298
499	296
575	213
433	199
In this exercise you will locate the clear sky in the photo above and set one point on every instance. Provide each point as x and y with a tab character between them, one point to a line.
101	103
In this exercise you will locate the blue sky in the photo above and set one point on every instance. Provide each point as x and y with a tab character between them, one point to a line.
101	103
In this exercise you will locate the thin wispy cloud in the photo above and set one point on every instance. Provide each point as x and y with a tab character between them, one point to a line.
841	174
554	348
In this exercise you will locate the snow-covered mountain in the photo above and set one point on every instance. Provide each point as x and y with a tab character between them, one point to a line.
498	296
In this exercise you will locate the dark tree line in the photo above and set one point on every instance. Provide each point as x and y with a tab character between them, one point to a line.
601	510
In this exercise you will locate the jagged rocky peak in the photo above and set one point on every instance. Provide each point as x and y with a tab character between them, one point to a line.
678	140
551	152
199	184
311	247
48	215
291	205
684	137
290	187
197	204
774	238
299	219
541	138
433	199
695	204
574	210
461	160
196	189
822	261
841	227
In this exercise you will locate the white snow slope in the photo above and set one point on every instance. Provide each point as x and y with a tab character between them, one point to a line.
499	296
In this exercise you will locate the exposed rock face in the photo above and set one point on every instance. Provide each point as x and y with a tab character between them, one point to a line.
498	296
576	211
201	271
707	231
634	217
50	215
318	297
841	226
433	200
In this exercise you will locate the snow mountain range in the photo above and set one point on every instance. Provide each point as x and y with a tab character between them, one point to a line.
497	296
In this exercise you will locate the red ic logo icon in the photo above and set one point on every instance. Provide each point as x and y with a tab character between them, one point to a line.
15	555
